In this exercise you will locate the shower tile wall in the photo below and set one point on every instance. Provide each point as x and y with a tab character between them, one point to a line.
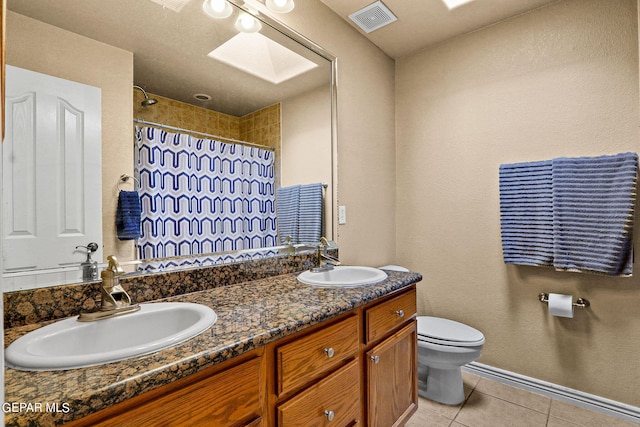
260	127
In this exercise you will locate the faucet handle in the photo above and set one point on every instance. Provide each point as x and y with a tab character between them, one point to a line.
113	265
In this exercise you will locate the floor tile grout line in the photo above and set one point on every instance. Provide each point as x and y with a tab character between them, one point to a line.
547	413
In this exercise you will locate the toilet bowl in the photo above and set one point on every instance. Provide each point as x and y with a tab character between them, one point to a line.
444	346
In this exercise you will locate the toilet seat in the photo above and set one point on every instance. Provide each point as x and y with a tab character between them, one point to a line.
448	332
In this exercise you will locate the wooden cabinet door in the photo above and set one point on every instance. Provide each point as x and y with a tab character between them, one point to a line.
392	387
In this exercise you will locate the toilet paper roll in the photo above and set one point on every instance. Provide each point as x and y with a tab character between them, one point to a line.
561	305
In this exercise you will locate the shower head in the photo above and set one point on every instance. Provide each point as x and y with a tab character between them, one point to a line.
147	101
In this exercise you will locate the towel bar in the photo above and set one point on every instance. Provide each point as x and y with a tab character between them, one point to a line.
580	302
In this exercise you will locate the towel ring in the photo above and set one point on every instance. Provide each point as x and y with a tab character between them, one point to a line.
126	178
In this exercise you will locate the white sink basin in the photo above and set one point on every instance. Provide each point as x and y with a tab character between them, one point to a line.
343	277
70	344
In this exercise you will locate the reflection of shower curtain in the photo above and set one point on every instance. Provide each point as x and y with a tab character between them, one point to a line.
202	195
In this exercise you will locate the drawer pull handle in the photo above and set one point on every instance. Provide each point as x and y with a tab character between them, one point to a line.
400	313
329	352
375	359
329	414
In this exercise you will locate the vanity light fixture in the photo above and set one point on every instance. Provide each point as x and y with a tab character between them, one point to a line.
218	9
280	6
247	23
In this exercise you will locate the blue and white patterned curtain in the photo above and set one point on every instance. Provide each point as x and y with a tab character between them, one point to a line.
203	195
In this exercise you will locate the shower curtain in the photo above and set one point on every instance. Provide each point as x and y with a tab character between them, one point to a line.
202	195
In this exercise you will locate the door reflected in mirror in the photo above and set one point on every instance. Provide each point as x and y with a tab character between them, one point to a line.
198	96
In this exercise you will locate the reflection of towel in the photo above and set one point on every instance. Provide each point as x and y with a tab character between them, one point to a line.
310	214
128	215
288	204
300	213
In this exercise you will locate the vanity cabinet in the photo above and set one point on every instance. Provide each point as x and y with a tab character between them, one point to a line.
231	395
392	379
391	360
358	369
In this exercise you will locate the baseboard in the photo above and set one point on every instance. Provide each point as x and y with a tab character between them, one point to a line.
554	391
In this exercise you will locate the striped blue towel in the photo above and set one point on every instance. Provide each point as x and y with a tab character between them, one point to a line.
593	213
570	213
128	215
526	215
310	213
287	207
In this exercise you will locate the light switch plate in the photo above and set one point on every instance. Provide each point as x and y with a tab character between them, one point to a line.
342	214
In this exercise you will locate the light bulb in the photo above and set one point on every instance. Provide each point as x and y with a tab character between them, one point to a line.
218	9
218	5
247	23
280	6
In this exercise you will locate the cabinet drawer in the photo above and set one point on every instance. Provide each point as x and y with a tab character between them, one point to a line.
333	401
229	398
309	357
386	316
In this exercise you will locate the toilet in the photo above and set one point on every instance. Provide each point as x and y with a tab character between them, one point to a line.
444	346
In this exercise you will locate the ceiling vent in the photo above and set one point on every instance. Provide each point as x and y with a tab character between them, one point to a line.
373	17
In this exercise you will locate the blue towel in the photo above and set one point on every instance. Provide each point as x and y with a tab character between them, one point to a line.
593	213
287	206
526	213
570	213
310	213
299	213
128	215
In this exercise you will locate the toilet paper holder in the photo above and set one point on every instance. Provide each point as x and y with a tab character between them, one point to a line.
580	302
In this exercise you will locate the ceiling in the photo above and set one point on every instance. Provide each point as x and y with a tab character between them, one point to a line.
170	49
422	23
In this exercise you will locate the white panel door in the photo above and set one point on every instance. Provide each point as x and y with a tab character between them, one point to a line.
52	185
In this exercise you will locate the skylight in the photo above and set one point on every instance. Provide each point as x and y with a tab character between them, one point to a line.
175	5
452	4
260	56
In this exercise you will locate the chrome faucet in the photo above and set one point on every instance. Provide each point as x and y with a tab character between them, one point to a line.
115	301
324	261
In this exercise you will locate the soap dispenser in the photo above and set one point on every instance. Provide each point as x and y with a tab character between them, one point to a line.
89	267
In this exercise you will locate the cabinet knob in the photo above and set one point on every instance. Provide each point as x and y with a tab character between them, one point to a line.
375	359
400	313
329	414
329	352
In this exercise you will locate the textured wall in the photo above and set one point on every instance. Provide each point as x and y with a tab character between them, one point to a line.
366	133
558	81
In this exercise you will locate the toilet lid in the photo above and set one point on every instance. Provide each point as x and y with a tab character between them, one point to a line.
450	332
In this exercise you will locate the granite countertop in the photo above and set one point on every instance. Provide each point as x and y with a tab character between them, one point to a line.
250	315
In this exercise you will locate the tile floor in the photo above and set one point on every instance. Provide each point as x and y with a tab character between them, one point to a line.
492	404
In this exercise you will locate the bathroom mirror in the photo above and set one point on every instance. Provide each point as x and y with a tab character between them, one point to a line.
170	45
